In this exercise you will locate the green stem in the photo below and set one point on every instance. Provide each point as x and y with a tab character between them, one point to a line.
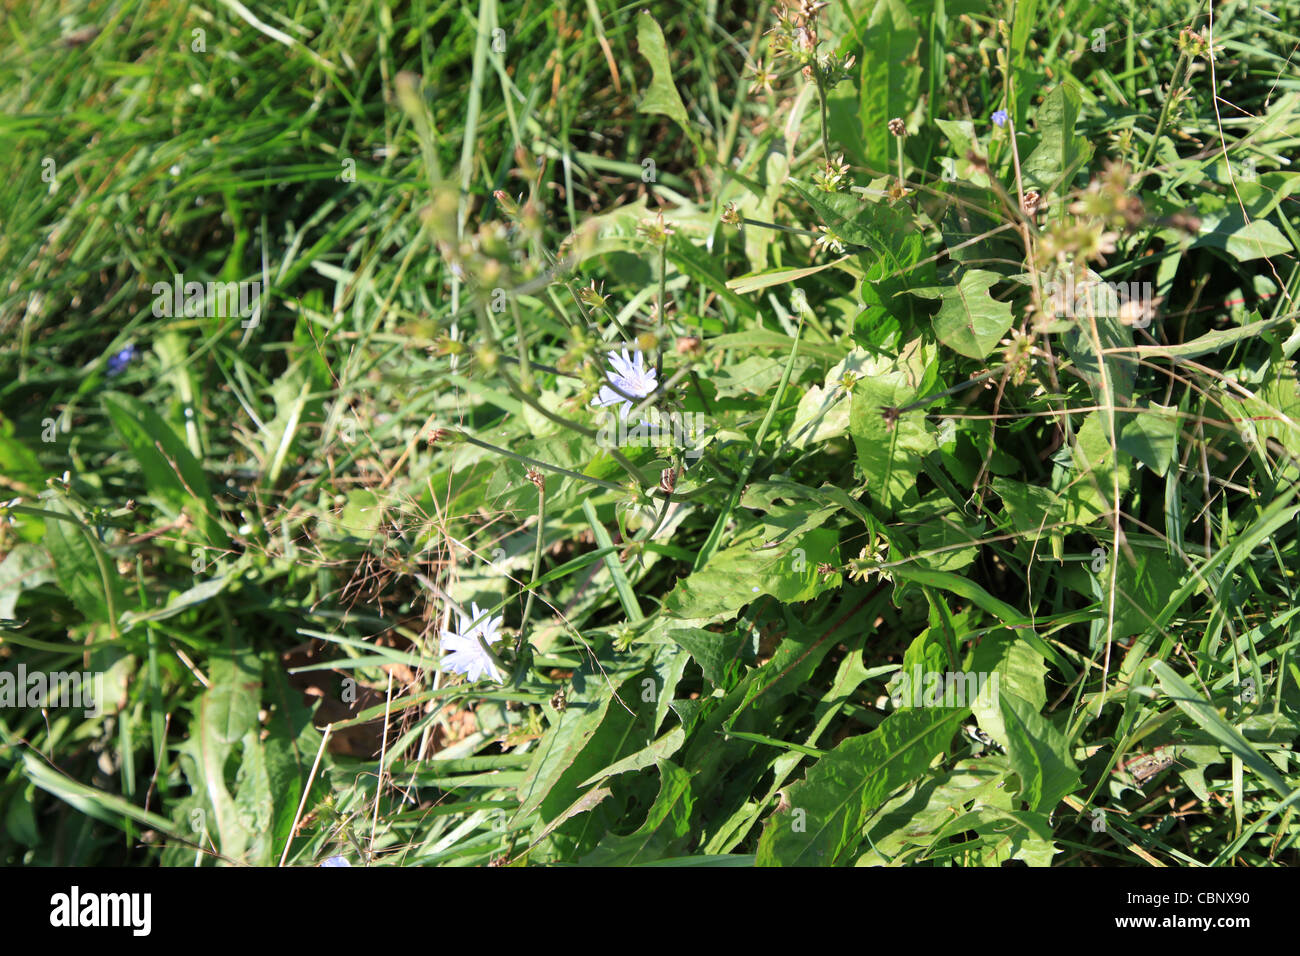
776	225
537	568
821	95
101	559
582	430
663	318
715	536
525	370
524	459
1179	70
1164	115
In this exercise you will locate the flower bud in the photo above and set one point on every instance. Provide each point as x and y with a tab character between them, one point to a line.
508	205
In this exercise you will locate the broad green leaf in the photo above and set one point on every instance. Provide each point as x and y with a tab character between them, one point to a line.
830	807
961	141
647	756
227	715
823	412
18	463
669	663
970	320
1039	754
944	541
584	804
890	445
25	567
917	816
756	375
663	832
740	573
290	748
1031	508
1143	585
171	471
254	800
1092	487
567	737
965	587
1246	241
231	703
1060	153
713	651
1150	436
1021	671
1096	340
1024	21
661	95
888	231
81	565
890	78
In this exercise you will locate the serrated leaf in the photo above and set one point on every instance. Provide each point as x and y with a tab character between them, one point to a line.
712	651
647	756
970	321
886	230
666	825
566	739
919	814
661	95
740	573
889	453
890	78
1038	752
1060	153
830	807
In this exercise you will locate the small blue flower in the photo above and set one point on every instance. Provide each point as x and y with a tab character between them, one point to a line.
462	652
1000	118
337	861
631	377
118	363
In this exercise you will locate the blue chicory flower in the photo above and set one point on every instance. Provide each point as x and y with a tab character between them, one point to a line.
118	363
630	375
463	654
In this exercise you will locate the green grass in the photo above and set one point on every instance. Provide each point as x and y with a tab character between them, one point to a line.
257	529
